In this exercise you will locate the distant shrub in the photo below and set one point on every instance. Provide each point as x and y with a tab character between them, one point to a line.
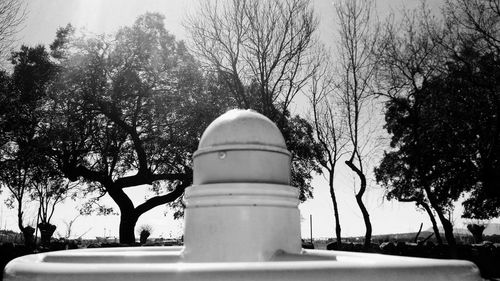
144	232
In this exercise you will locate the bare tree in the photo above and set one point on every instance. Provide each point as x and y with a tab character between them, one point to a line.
475	20
69	228
12	14
407	54
263	53
330	129
261	49
357	35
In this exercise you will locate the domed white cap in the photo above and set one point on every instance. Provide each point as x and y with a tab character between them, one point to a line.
242	127
242	146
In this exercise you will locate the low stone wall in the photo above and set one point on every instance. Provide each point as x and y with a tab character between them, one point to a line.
486	256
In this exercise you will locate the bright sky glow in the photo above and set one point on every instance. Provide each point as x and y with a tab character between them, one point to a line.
98	16
89	14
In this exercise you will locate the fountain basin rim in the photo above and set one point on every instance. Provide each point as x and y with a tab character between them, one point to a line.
347	266
319	257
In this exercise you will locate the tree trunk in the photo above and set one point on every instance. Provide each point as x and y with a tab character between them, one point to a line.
415	240
366	218
28	231
127	227
335	211
447	226
46	232
128	215
359	200
448	233
434	223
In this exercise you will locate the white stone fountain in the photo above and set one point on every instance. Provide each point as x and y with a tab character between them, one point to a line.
241	223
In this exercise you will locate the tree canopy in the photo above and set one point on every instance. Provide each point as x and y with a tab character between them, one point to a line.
24	167
128	110
442	113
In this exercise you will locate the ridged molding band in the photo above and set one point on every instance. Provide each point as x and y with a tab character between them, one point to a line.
230	147
241	194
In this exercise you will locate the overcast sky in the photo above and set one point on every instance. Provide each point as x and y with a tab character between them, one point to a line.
106	16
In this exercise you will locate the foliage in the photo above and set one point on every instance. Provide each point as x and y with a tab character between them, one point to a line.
429	157
408	58
145	228
128	110
144	232
25	170
471	95
299	137
445	132
473	43
441	81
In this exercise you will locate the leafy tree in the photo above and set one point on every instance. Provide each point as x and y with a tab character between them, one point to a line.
408	58
472	39
445	132
473	103
299	138
398	177
441	133
49	189
23	93
127	111
15	176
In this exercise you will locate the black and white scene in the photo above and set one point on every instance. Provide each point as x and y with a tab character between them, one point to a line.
249	140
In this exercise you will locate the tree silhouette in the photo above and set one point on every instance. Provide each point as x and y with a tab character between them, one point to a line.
23	165
330	129
358	35
127	111
408	57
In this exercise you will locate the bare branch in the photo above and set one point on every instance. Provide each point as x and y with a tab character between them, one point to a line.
358	34
251	42
12	14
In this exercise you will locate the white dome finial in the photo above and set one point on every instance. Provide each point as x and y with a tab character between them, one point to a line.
242	146
242	127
